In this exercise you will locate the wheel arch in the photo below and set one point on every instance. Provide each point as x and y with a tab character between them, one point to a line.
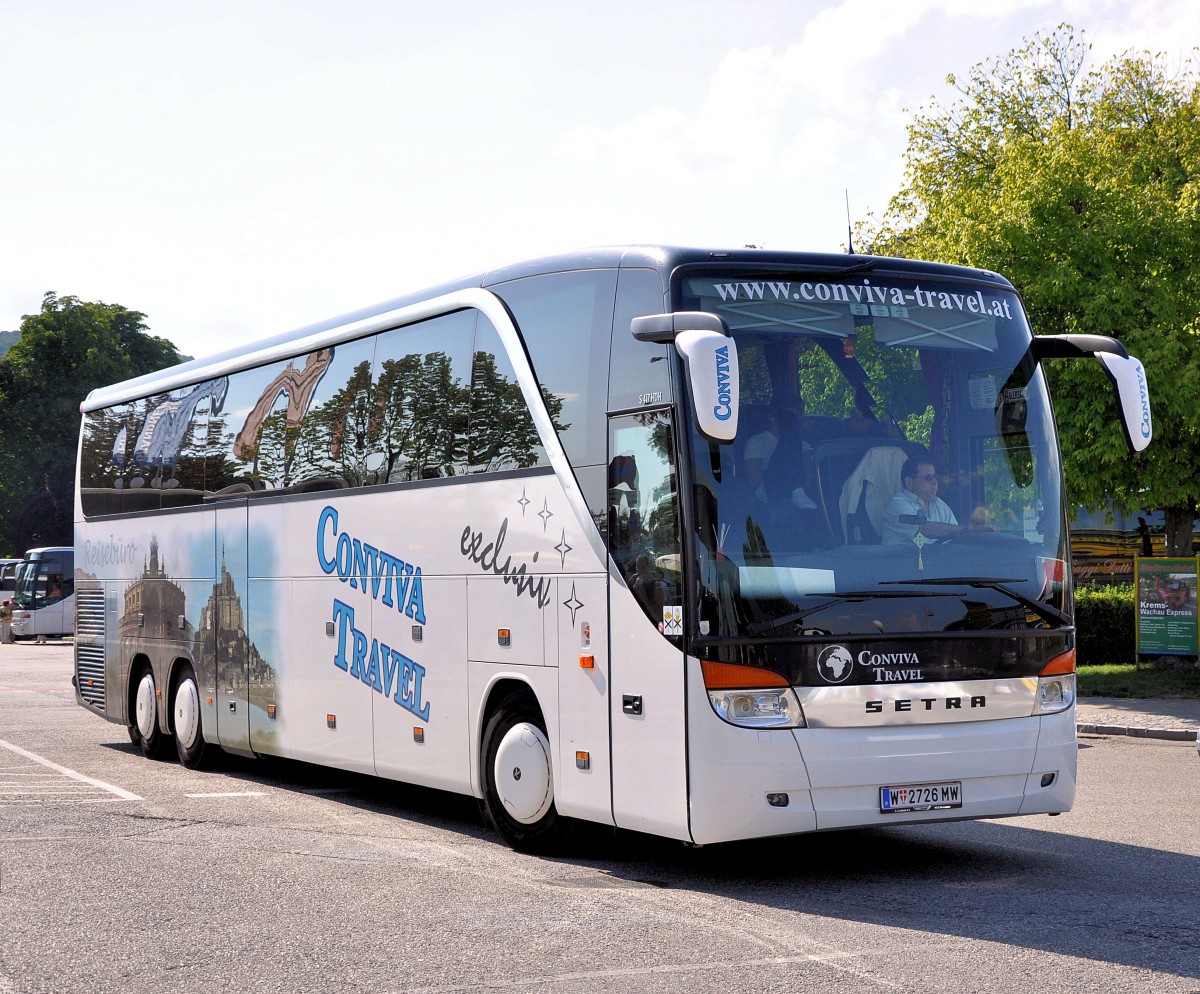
138	662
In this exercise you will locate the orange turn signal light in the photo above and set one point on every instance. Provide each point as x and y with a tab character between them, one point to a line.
734	676
1062	663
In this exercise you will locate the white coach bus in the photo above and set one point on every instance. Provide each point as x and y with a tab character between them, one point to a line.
619	536
43	601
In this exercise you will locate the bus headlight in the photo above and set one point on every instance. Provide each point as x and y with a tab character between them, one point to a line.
1055	693
1056	685
751	696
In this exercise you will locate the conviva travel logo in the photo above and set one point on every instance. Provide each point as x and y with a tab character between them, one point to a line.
836	663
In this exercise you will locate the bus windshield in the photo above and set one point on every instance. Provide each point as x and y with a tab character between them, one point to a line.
39	583
895	469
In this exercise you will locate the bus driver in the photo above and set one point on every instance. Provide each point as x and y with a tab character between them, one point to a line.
917	506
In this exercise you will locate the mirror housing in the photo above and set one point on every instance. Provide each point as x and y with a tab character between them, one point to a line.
1129	378
1126	372
663	328
710	364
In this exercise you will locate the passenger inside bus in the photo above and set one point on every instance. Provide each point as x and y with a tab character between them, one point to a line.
647	584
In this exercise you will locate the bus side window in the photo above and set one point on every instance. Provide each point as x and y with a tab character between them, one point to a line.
330	437
640	374
501	433
565	320
422	385
643	502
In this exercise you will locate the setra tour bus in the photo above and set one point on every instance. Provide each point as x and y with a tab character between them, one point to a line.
713	545
43	599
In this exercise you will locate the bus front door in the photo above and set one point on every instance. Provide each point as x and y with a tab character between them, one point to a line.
647	701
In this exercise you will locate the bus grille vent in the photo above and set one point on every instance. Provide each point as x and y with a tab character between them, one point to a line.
89	646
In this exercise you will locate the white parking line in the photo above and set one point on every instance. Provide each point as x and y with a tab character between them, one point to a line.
232	793
123	794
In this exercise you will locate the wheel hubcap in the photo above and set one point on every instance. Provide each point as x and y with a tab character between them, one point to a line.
522	770
187	713
145	706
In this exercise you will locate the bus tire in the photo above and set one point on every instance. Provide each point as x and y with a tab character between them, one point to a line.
145	731
186	719
518	777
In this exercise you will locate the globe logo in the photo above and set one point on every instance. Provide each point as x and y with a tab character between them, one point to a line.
835	663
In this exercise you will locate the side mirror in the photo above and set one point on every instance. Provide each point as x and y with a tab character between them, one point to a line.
710	363
1129	378
1126	372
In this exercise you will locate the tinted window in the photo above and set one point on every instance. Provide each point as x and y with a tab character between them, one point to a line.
502	433
147	454
643	512
425	401
418	424
331	438
641	374
566	320
257	437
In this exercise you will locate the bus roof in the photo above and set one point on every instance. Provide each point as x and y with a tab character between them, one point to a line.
664	259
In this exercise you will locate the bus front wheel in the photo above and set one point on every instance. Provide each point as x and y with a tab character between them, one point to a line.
145	731
518	781
185	712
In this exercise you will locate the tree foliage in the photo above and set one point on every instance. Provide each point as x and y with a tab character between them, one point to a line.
1082	186
65	351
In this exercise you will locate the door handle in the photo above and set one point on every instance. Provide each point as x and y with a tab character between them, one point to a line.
631	703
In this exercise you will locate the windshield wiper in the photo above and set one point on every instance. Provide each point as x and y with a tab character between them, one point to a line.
1047	612
796	617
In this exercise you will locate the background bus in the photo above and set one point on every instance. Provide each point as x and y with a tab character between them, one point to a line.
8	577
609	536
1104	543
44	594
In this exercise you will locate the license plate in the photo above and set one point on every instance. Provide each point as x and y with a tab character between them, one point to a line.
920	797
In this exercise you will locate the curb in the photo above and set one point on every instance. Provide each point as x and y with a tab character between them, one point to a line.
1173	734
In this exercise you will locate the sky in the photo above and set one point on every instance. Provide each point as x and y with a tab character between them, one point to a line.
237	168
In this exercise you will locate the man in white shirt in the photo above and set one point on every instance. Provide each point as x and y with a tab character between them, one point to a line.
917	507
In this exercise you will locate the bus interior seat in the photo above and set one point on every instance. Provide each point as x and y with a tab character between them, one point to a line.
821	428
752	419
834	461
239	489
867	491
788	469
318	484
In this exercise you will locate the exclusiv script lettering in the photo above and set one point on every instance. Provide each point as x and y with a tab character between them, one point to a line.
488	559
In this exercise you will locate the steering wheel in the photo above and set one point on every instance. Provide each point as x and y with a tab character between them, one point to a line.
984	537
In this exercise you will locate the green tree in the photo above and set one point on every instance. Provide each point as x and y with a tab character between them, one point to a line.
65	351
1082	186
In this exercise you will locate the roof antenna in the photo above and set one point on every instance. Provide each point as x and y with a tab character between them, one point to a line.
849	231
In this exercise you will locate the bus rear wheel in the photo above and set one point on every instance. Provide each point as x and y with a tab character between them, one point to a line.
145	731
188	725
518	780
